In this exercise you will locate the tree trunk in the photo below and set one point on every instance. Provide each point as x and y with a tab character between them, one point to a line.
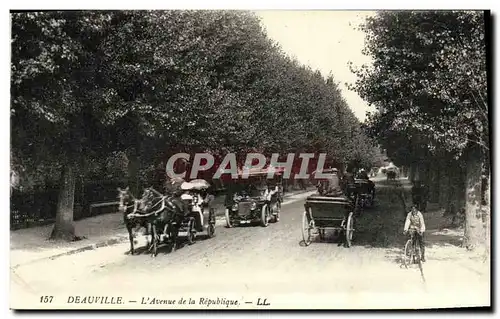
133	172
413	169
487	217
64	227
434	183
474	231
456	192
444	184
418	172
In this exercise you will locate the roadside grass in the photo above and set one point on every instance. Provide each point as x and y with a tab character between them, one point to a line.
382	225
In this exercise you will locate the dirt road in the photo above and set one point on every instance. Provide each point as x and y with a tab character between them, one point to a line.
247	263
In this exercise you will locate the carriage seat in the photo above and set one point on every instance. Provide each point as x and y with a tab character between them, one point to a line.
330	199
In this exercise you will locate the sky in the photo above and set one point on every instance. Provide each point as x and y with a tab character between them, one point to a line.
324	40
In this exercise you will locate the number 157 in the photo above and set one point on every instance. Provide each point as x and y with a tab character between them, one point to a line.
46	299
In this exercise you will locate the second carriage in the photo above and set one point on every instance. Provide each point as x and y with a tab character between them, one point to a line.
363	192
328	213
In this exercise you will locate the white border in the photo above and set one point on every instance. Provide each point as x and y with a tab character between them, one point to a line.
186	4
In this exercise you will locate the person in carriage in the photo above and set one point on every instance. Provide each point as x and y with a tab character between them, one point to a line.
363	174
331	186
271	190
173	187
348	182
334	187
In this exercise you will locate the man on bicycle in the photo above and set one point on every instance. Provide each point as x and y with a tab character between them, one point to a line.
415	223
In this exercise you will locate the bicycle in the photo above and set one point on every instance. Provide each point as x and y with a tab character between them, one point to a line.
412	253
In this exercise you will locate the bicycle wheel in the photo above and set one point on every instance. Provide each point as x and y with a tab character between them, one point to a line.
407	254
418	256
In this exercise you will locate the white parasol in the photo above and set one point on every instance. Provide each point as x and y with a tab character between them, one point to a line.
197	184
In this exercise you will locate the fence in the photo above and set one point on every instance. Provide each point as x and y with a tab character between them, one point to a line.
38	207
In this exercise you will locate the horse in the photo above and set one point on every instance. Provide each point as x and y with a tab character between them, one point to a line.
168	215
173	217
391	175
130	205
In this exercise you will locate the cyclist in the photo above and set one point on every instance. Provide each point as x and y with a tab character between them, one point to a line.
415	223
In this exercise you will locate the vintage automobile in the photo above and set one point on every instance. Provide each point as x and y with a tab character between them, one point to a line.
254	198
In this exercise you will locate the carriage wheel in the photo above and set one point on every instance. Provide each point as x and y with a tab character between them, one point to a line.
349	230
154	244
358	205
306	229
211	230
190	231
322	234
166	233
146	234
264	216
229	223
276	217
211	224
371	199
278	206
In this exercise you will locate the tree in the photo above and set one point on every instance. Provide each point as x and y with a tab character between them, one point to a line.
58	97
428	83
86	85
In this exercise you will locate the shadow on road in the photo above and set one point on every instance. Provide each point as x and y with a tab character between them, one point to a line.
167	248
381	226
330	238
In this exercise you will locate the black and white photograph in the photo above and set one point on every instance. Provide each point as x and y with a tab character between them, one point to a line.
223	159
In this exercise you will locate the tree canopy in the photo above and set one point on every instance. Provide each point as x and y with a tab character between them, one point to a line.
87	85
428	83
428	78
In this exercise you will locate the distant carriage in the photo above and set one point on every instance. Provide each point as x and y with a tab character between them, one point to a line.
391	174
391	171
365	190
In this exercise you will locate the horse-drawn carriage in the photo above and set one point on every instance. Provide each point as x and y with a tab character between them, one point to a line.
392	172
253	197
365	192
332	208
165	216
198	202
324	213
